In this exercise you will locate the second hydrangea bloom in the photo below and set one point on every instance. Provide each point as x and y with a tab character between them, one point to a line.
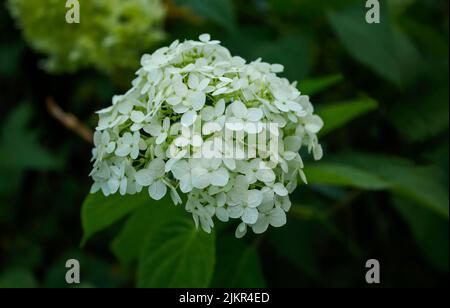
111	35
202	122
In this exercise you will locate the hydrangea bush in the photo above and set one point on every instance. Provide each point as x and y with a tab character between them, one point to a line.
224	133
111	35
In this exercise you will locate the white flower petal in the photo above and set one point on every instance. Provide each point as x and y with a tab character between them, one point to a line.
203	84
314	124
254	114
220	108
205	37
239	109
235	211
144	177
222	214
193	81
234	124
220	91
157	190
281	106
220	177
254	198
175	197
277	217
211	127
296	107
157	167
125	107
161	138
180	89
188	118
261	224
174	100
250	215
241	230
186	184
221	199
200	178
123	186
292	143
137	116
207	113
197	100
280	190
265	175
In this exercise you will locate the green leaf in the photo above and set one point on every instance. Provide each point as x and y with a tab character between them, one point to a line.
398	7
145	221
318	85
20	150
336	115
17	141
310	11
419	183
219	11
238	264
385	50
99	212
429	230
177	255
328	173
17	278
423	118
291	51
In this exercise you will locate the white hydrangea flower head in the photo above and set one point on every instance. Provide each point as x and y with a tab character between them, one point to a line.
221	131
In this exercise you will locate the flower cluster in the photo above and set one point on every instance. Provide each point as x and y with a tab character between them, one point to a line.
111	35
224	132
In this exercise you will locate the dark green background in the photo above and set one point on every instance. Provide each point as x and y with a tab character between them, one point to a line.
380	192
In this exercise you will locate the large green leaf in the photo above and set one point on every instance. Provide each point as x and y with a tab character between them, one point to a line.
423	118
19	145
420	183
99	212
21	150
336	115
370	171
381	47
398	7
291	51
429	230
329	173
177	255
145	221
422	193
320	84
238	264
218	11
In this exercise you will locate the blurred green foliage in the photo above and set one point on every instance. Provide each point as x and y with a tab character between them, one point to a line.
111	37
380	192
